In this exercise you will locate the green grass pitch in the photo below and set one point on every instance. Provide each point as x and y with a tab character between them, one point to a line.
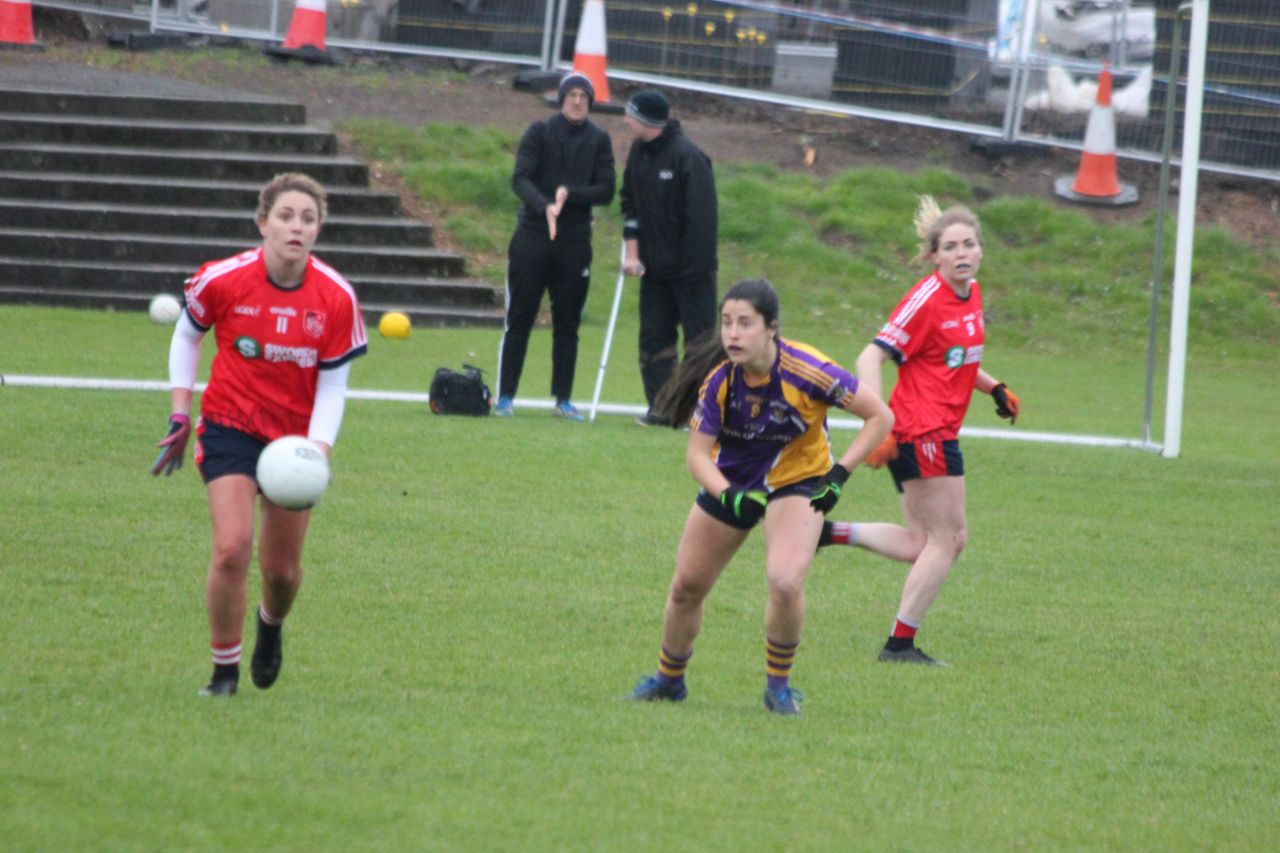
480	595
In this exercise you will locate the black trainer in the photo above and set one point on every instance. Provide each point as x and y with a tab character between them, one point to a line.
268	654
908	655
650	419
224	681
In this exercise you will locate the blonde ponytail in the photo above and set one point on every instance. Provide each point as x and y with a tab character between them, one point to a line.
930	221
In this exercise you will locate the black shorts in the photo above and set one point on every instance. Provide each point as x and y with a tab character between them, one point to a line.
222	450
923	459
712	507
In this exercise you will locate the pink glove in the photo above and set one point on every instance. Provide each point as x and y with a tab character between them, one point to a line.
173	446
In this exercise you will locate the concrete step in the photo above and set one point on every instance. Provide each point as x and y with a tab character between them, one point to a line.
184	163
200	222
437	317
106	200
249	109
123	300
116	300
55	275
405	291
193	251
146	133
38	187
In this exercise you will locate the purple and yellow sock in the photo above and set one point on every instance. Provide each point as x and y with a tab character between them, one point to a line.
671	667
778	660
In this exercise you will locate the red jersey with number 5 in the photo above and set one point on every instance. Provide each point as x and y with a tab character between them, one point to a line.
936	338
271	341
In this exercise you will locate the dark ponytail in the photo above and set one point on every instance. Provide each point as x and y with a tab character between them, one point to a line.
678	397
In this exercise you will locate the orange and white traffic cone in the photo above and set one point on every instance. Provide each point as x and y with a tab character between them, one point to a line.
590	50
306	27
15	24
305	37
1096	181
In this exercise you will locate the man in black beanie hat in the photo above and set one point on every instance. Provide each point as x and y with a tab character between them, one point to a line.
669	228
564	166
574	80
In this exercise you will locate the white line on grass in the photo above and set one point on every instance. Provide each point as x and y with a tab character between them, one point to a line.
607	408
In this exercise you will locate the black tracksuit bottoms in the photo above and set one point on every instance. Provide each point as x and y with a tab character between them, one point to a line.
563	269
667	305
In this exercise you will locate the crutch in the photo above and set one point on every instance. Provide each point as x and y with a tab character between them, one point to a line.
608	335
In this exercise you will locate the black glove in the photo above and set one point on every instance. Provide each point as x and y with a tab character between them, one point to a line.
1006	403
744	505
829	491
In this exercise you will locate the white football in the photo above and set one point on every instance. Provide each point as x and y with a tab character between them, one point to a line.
164	309
293	472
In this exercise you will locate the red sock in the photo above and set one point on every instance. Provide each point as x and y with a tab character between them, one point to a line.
904	630
842	533
228	655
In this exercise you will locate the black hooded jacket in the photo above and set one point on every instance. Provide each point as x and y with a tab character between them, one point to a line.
555	152
669	205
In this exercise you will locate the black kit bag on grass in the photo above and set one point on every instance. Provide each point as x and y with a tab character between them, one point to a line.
454	393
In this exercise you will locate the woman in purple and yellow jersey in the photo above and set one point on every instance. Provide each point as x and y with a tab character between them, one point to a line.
757	406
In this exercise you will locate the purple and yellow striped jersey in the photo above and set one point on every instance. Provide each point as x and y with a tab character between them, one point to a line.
772	435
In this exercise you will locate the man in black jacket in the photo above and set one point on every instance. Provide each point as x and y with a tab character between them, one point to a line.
564	166
669	229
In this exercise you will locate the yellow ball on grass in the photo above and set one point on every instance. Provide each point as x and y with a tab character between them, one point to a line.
394	325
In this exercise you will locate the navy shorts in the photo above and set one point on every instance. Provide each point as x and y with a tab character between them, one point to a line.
712	507
923	459
222	450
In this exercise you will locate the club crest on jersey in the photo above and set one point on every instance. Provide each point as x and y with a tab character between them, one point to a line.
248	347
313	323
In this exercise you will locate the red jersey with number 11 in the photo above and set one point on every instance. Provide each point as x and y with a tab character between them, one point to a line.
936	338
272	342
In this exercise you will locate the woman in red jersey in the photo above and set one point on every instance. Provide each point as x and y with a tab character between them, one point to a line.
936	337
287	326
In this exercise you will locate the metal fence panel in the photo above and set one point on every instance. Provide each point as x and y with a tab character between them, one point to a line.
490	26
929	57
1241	124
1021	69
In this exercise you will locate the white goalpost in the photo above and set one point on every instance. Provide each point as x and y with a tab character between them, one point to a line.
1184	249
